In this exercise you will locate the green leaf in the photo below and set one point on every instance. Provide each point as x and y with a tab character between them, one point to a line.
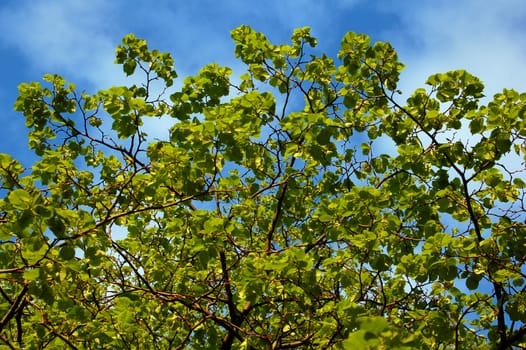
358	340
67	252
476	125
324	137
31	274
326	218
57	226
43	211
213	225
516	311
289	221
20	199
472	282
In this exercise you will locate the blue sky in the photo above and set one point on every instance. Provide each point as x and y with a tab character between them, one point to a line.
77	39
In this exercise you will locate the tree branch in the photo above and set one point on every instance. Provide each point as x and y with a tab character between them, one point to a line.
515	337
14	308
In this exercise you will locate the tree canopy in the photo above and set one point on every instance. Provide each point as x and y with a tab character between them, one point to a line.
301	204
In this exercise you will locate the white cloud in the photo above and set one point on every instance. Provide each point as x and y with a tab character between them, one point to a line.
486	38
70	37
77	38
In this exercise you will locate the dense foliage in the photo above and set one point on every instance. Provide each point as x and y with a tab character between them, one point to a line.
299	205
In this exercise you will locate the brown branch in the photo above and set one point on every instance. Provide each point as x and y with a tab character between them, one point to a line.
272	230
7	342
236	317
297	343
60	336
14	309
515	337
277	215
13	270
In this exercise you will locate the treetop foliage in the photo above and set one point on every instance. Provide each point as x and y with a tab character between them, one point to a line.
299	205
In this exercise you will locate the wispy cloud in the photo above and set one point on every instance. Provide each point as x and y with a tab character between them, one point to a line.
78	38
69	37
488	38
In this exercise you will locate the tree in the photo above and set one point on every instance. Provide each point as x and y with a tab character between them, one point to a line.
301	205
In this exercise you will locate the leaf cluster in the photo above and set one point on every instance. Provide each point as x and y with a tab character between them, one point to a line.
299	206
